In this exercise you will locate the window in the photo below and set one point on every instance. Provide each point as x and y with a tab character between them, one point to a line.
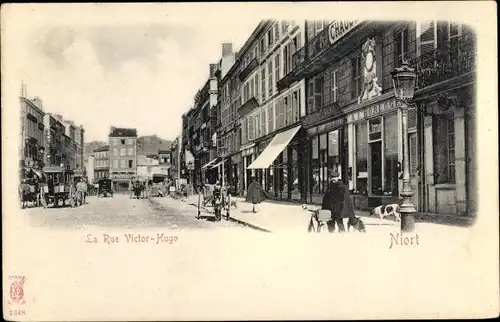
122	164
252	84
115	164
318	86
263	122
327	89
276	30
263	83
455	29
270	36
115	152
318	26
285	111
290	109
285	60
357	77
279	115
131	151
296	44
251	132
130	141
270	118
256	86
333	77
270	84
122	141
427	36
277	66
401	43
130	164
444	150
122	152
262	45
295	106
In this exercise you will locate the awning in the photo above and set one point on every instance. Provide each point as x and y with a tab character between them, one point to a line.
53	169
218	164
271	152
210	163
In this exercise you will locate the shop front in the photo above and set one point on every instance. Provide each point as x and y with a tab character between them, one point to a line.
247	156
121	180
375	152
236	176
279	166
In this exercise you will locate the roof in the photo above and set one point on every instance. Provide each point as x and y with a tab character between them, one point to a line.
102	148
123	132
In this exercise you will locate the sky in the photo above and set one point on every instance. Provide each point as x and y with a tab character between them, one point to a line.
141	74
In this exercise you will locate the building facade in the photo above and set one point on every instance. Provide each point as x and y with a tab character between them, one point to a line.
101	162
353	123
122	156
175	152
226	120
32	133
270	115
54	140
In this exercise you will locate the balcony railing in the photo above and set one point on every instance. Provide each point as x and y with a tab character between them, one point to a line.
455	58
248	69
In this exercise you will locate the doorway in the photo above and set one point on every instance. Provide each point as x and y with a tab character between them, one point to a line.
376	167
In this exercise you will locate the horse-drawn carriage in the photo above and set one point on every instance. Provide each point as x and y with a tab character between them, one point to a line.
29	191
138	188
216	196
58	186
105	187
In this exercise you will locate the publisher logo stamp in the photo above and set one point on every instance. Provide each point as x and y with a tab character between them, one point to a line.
16	289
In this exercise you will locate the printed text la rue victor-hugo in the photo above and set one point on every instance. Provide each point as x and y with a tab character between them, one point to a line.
131	238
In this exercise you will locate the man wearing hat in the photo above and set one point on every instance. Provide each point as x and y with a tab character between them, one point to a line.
335	199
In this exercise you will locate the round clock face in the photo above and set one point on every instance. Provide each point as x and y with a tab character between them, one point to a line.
369	61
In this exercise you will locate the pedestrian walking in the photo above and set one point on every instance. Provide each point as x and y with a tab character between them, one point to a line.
337	199
255	194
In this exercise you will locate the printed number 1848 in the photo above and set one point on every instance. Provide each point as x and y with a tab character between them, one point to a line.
17	312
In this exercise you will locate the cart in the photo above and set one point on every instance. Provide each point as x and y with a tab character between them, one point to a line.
58	187
105	188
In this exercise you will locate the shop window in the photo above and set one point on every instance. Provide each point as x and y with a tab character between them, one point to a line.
357	77
391	154
323	161
444	151
284	173
294	174
375	129
361	159
315	184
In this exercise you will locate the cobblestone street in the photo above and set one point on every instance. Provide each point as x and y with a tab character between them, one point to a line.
123	212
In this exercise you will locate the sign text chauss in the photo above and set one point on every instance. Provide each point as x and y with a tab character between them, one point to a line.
339	28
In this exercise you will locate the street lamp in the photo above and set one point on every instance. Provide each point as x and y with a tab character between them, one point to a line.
404	86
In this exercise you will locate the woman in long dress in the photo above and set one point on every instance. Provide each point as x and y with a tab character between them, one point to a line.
255	194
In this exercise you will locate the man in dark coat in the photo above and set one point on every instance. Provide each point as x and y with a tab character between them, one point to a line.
255	193
338	201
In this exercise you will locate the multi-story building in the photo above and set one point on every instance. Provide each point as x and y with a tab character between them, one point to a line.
88	164
270	129
54	140
202	129
353	123
101	162
32	133
122	156
228	134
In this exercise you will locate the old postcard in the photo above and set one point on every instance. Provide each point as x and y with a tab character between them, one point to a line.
248	161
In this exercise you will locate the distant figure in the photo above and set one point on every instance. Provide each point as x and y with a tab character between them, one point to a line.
255	194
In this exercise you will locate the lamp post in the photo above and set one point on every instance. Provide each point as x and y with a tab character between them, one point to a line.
404	86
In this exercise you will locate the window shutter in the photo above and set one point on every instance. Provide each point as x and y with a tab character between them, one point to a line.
327	89
427	35
413	153
412	118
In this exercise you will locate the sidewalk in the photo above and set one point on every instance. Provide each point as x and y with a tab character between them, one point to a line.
288	217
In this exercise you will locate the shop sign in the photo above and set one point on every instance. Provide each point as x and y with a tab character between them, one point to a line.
121	175
372	110
339	28
321	115
327	127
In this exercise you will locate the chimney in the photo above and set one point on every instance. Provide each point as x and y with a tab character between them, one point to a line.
213	69
227	49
